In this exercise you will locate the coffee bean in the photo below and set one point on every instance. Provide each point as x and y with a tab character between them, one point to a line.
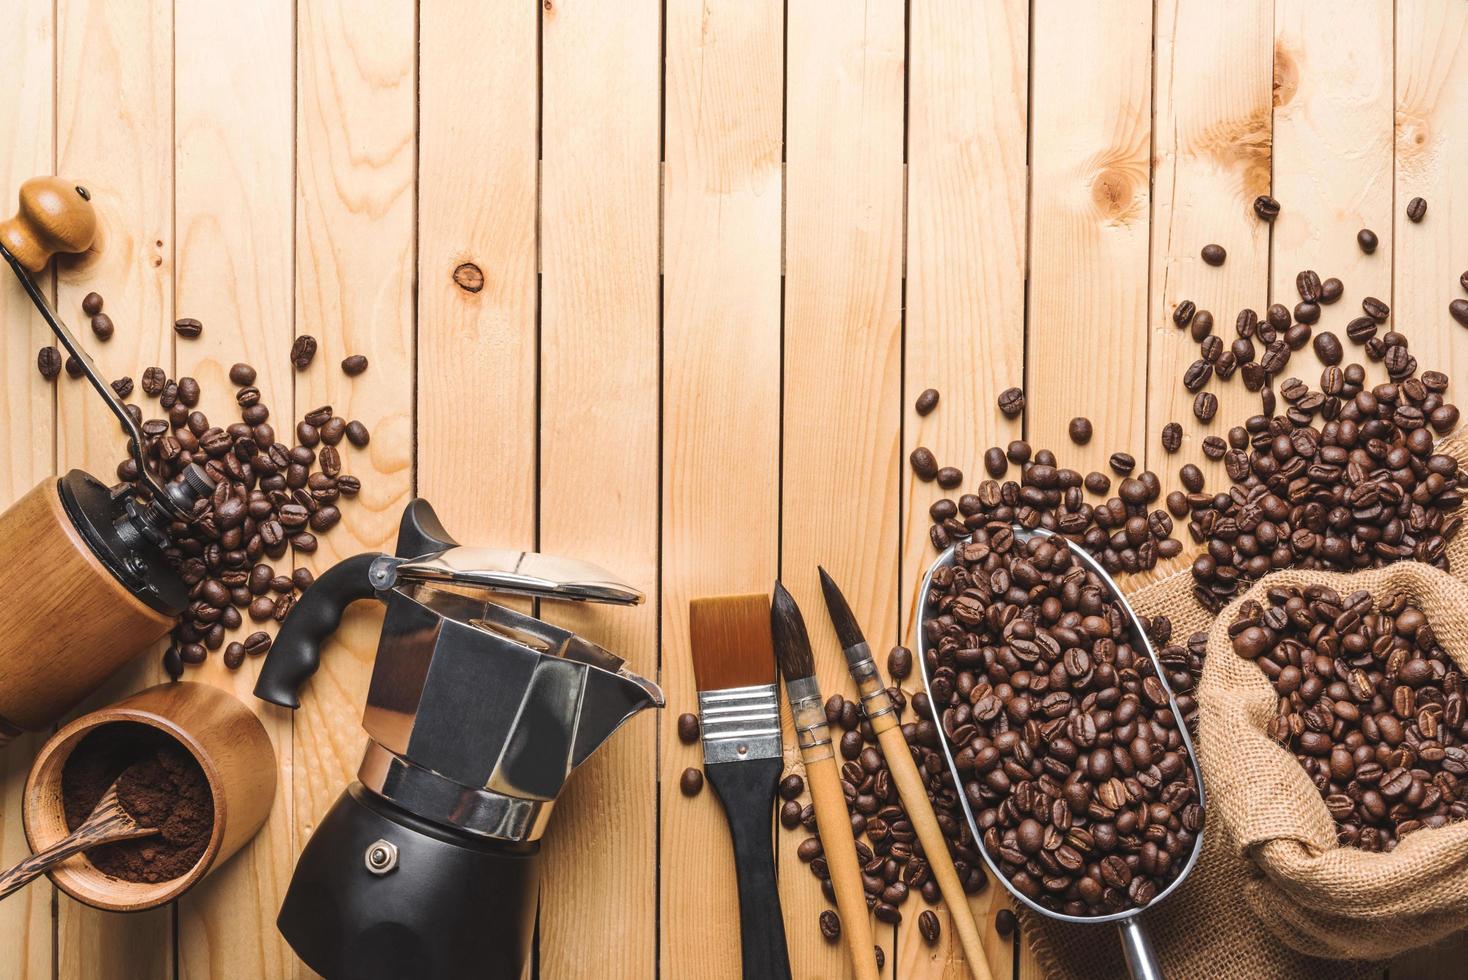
924	464
1005	922
1205	405
1366	238
74	368
1122	463
302	351
357	434
949	477
928	926
830	924
1098	483
1202	325
102	327
1458	310
1307	284
1214	254
1361	329
688	728
1172	437
927	401
333	429
48	362
1191	477
188	392
1214	447
1011	402
234	655
1331	290
1080	430
1416	209
172	662
91	304
790	814
1375	309
791	787
881	958
242	374
1197	375
1306	313
995	462
1266	207
1328	348
187	327
899	663
1182	314
691	782
354	365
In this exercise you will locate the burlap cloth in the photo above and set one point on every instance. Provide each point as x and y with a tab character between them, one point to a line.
1271	881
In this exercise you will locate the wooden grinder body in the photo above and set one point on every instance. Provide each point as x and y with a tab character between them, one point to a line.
66	622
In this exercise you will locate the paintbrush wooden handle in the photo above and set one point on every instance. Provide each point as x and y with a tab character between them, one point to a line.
915	799
839	845
747	790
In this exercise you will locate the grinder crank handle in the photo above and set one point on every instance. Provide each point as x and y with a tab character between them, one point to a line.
56	215
296	652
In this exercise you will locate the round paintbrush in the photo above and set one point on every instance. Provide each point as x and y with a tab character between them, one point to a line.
807	708
883	717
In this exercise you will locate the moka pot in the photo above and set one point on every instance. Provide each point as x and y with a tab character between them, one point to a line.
427	865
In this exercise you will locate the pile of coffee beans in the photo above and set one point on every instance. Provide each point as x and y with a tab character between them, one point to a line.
1345	479
1369	703
1071	757
893	863
270	496
1123	532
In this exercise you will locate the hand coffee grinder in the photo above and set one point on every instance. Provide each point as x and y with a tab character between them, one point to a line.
476	715
82	570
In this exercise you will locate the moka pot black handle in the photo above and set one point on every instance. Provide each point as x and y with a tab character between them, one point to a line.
296	652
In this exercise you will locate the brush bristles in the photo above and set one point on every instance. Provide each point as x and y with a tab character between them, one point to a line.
730	637
847	630
792	643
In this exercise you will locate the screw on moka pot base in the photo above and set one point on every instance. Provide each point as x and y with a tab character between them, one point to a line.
476	714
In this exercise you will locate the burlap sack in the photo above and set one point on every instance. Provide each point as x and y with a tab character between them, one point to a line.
1249	907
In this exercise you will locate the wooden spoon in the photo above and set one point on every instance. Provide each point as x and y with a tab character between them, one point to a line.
106	824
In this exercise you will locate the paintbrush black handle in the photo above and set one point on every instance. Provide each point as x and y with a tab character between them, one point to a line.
747	790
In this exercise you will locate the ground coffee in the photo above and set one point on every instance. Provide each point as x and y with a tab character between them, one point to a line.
158	782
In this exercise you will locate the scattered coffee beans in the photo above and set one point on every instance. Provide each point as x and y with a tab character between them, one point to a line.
1416	209
791	787
1458	310
1005	922
1369	702
354	365
48	362
187	327
688	728
1080	430
928	926
102	327
1366	238
1266	207
949	477
302	351
92	304
830	925
1011	402
927	401
924	463
1064	734
691	782
1214	254
1172	437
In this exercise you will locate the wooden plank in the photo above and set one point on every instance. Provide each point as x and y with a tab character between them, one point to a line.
28	446
354	246
841	496
234	201
1333	125
114	113
1431	139
1090	133
477	380
965	332
599	437
721	415
1212	125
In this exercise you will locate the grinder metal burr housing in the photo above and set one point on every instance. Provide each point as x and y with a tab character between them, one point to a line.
476	715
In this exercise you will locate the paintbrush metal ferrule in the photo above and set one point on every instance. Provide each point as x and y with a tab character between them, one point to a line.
740	723
808	712
863	669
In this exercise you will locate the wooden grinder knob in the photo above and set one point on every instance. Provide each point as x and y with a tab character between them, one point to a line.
56	215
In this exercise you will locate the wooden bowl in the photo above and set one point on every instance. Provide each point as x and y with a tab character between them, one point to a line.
232	748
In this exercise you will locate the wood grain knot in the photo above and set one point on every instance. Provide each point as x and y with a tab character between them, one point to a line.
469	277
1114	192
1286	75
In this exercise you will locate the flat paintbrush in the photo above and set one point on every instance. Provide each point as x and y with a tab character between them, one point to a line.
883	717
739	707
807	708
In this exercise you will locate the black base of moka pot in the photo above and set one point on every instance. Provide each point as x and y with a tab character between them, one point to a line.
451	905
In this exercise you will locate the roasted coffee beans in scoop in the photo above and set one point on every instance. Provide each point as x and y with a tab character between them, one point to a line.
1069	752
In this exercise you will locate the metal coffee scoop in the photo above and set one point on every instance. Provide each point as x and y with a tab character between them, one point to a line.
1136	947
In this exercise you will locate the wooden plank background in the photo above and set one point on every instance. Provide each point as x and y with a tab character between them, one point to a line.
723	245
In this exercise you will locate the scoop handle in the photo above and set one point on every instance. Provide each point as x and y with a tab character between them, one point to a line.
55	215
1136	949
107	823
